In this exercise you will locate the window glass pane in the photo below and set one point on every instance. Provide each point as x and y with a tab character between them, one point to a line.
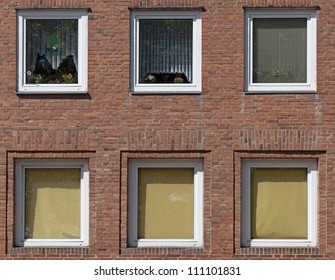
279	203
52	203
165	51
165	203
279	50
51	51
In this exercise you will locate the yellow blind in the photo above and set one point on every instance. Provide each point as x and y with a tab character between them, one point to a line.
165	203
279	203
52	203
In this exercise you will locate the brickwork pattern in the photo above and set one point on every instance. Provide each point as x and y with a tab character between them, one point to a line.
108	126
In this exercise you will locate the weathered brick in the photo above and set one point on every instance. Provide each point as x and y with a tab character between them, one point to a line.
222	125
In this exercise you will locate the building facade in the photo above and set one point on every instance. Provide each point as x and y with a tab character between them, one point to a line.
171	129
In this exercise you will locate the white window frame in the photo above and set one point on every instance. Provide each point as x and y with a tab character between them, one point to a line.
310	85
82	17
312	181
133	240
20	240
195	86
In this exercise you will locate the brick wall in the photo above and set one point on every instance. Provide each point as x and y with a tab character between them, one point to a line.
108	126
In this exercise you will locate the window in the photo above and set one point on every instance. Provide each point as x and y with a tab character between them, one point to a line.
160	190
279	199
51	203
52	51
166	52
280	51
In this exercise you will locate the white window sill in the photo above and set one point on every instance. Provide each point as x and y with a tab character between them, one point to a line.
281	243
150	243
280	92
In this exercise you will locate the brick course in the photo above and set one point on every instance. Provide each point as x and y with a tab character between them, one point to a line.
108	126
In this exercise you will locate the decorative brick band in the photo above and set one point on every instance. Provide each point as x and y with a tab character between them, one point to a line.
280	139
53	139
151	139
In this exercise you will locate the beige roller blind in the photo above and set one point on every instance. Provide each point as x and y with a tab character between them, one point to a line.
52	203
166	203
279	203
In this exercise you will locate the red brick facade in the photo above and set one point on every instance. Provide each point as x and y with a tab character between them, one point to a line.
109	125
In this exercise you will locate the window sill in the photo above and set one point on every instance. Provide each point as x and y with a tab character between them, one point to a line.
166	244
165	93
279	92
51	92
53	95
168	8
283	7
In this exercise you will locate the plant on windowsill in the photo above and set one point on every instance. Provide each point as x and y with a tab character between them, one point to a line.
45	74
166	78
275	76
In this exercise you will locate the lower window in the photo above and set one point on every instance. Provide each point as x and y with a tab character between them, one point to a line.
165	203
279	203
51	203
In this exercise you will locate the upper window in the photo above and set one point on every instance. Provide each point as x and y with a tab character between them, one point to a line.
52	51
280	51
166	52
51	203
279	203
165	198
